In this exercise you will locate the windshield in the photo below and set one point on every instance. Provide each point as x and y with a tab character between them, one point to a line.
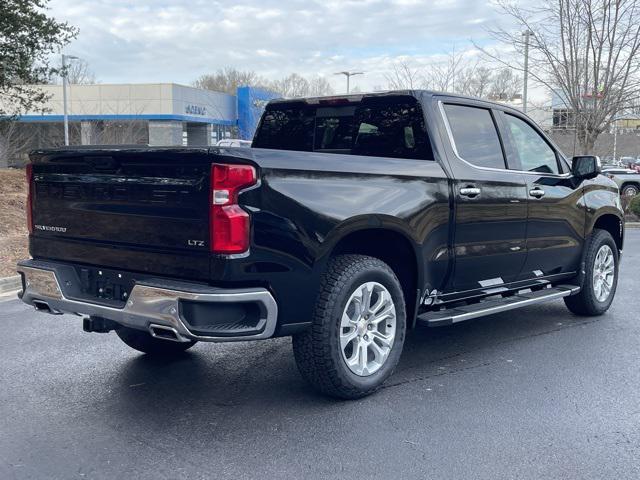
390	126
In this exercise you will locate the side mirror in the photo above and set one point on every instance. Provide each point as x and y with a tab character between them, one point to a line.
585	166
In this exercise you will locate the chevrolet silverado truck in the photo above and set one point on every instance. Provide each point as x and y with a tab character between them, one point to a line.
348	222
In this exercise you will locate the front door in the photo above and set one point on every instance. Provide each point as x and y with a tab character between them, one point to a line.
556	216
490	201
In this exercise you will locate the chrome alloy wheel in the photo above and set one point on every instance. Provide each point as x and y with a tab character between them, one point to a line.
367	329
603	273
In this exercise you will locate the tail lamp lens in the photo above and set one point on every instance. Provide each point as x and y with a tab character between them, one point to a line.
29	207
229	224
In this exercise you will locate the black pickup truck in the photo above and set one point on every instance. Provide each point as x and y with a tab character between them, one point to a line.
350	220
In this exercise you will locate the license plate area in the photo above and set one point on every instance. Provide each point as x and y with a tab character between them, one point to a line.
104	284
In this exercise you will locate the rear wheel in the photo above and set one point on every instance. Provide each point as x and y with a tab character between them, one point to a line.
600	276
144	342
357	331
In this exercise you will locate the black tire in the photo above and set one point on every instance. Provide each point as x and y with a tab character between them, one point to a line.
318	352
144	342
630	190
586	302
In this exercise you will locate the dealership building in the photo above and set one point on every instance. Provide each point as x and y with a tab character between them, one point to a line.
159	114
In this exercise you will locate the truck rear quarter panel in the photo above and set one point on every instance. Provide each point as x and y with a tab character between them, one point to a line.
308	202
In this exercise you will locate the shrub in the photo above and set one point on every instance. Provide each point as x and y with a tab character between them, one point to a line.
634	205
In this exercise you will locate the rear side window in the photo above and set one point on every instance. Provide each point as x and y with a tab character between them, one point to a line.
534	152
475	135
377	126
290	128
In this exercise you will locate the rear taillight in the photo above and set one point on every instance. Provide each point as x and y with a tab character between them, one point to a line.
229	224
29	171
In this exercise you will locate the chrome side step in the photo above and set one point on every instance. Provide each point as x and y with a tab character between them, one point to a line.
487	307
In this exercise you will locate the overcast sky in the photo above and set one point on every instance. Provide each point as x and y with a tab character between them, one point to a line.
176	41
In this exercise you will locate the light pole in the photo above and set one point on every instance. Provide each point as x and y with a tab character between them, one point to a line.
615	138
526	34
349	75
65	81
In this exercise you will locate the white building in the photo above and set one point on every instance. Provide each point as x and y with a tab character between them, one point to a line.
154	114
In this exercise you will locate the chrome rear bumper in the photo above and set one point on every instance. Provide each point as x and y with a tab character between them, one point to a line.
149	307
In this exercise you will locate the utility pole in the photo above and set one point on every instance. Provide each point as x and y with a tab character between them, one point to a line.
526	34
65	81
349	75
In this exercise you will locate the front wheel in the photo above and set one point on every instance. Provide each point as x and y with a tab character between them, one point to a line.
600	276
357	331
630	190
144	342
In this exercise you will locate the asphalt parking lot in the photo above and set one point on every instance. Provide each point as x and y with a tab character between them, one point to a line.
536	393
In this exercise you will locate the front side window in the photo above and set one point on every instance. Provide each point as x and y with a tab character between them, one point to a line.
535	154
475	135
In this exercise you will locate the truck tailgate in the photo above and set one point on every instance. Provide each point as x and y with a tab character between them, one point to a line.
89	203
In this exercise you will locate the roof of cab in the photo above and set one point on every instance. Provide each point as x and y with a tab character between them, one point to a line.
355	97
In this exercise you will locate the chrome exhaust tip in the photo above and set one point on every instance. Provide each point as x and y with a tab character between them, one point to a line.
165	332
44	307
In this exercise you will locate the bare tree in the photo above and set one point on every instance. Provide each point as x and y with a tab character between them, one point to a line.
292	86
79	73
475	80
457	72
587	50
320	86
128	132
445	75
15	140
228	80
505	85
404	76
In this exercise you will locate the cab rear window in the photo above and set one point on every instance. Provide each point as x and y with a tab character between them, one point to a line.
376	126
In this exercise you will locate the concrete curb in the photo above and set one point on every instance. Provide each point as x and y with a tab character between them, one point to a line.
632	224
10	284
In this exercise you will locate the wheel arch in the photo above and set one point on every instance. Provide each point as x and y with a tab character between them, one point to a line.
391	244
612	223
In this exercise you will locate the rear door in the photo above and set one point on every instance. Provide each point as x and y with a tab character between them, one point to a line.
490	200
556	213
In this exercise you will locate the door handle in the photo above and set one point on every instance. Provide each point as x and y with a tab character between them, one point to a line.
536	192
470	191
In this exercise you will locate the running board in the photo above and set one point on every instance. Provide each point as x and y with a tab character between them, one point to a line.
487	307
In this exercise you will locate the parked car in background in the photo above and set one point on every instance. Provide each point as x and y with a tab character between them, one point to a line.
627	179
609	161
629	162
233	142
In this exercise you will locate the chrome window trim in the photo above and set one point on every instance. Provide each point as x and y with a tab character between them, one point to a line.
452	142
